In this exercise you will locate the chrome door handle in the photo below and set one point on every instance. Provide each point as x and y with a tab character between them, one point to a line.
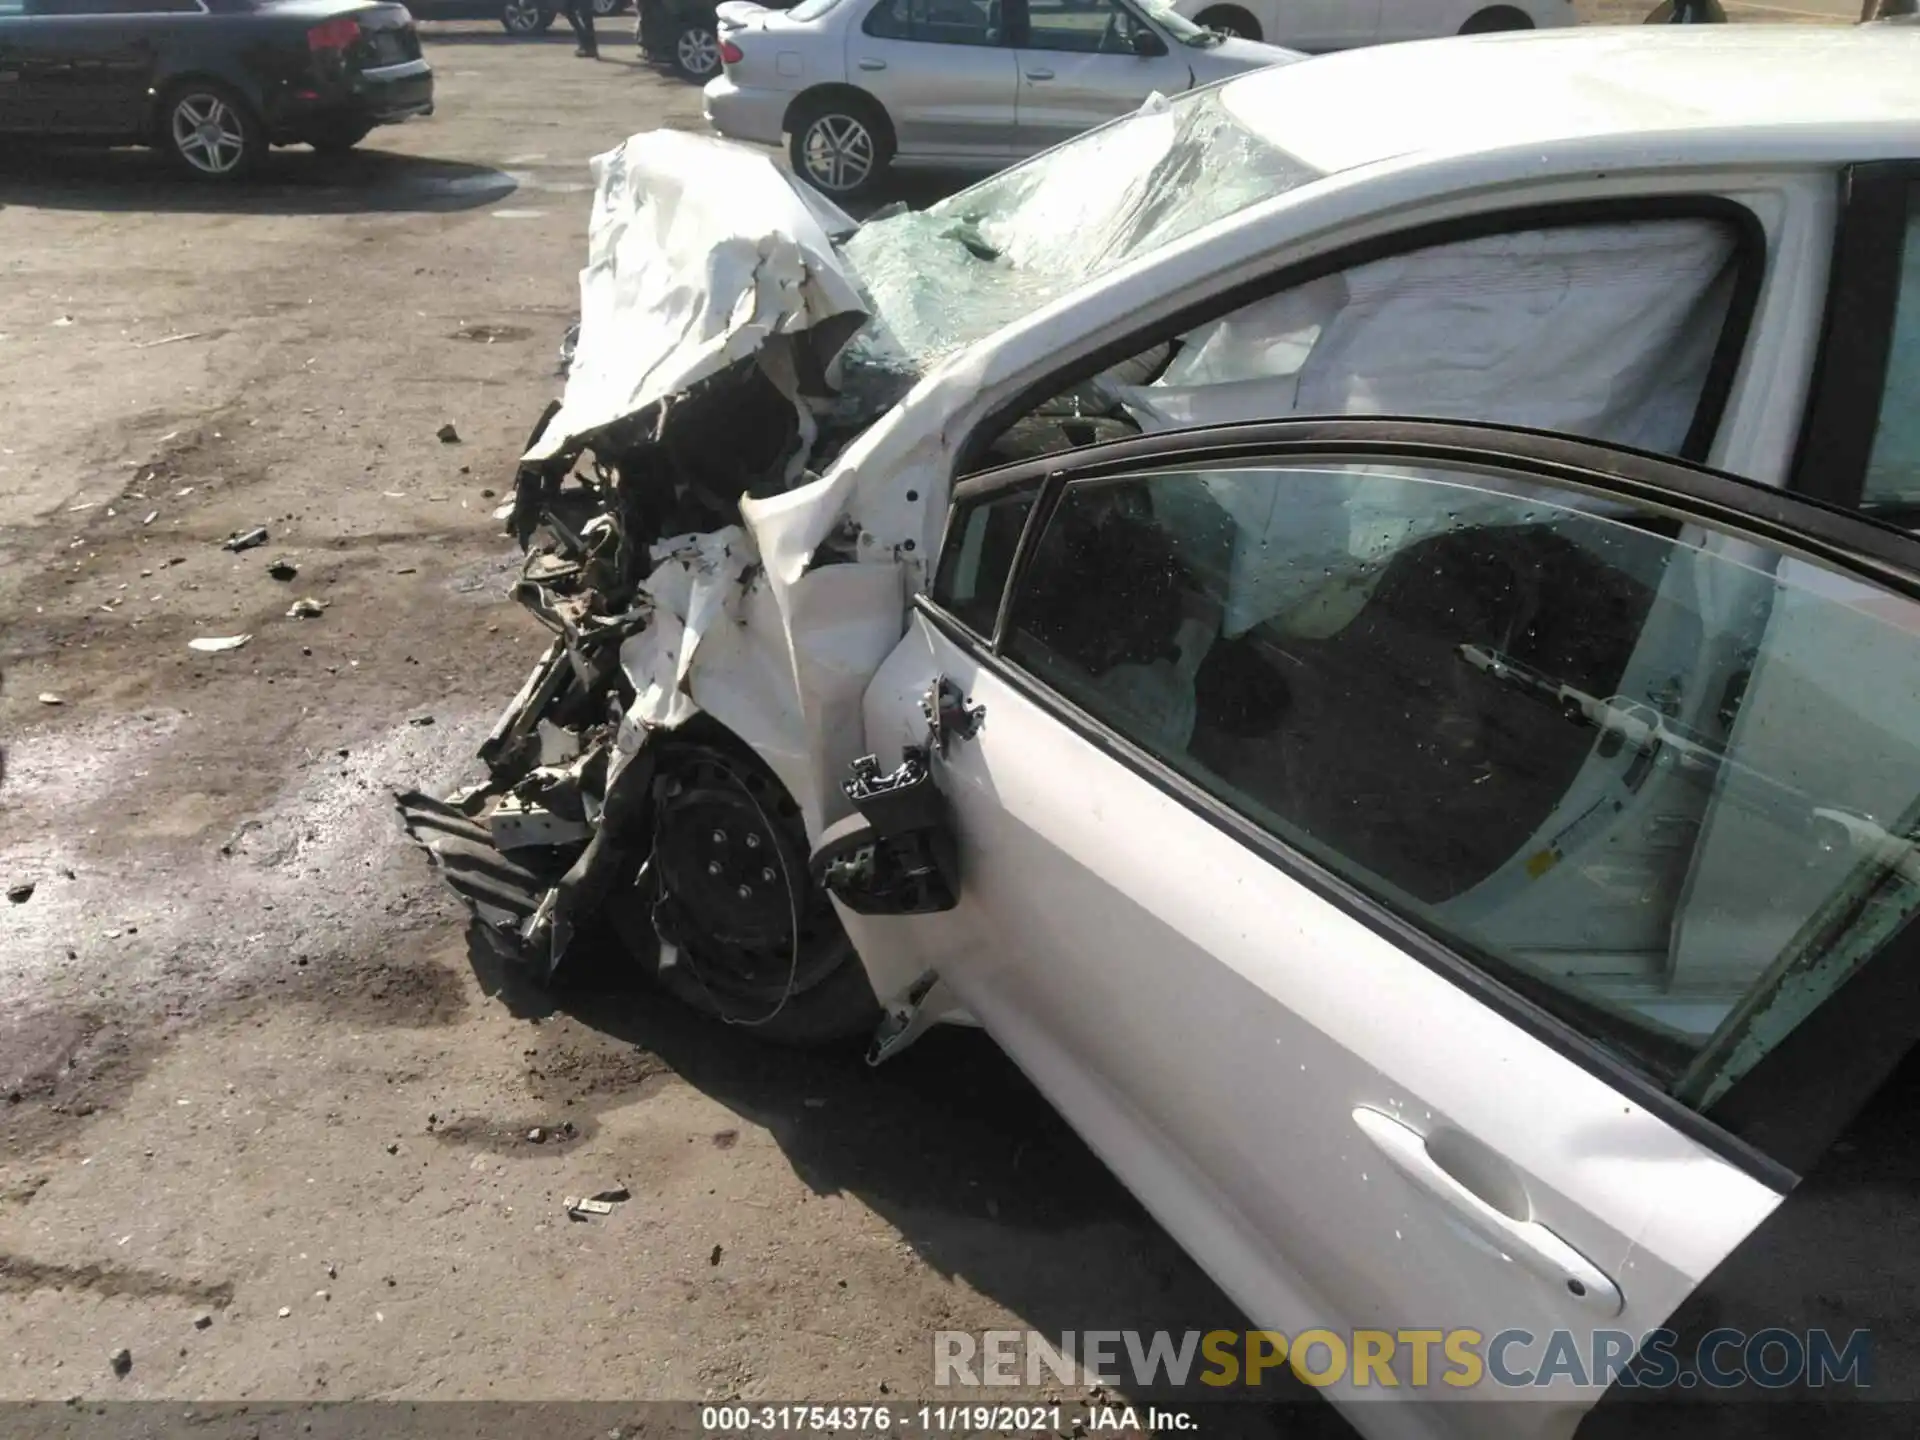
868	63
1039	74
1526	1241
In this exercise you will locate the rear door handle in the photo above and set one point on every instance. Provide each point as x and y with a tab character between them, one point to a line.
1039	74
868	63
1526	1241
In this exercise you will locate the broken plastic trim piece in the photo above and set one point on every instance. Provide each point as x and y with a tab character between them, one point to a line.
927	1002
896	855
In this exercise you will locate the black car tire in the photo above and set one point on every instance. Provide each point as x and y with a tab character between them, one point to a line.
206	130
526	17
696	51
339	139
722	819
1496	18
1230	20
846	125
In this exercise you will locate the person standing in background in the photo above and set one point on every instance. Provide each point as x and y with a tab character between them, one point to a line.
579	15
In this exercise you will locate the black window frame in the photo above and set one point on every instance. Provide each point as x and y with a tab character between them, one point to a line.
1766	1123
1751	256
1847	388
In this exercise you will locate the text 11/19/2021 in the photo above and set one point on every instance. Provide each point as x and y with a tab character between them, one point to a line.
956	1419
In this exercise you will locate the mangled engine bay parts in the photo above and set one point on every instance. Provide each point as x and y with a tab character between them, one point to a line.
716	609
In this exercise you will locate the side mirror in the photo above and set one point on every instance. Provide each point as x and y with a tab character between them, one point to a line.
1147	45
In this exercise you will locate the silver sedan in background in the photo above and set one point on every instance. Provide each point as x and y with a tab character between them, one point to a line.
860	84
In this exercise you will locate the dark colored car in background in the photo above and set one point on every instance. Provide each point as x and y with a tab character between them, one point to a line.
535	17
209	83
684	34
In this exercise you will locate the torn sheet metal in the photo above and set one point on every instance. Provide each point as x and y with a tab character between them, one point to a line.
714	307
699	252
721	539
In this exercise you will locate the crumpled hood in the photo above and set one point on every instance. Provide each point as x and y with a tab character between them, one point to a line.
699	251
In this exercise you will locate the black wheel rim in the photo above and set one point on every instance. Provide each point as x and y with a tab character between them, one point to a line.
730	883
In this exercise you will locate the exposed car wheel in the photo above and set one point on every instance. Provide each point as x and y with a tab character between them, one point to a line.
1687	12
1497	17
208	131
338	139
696	52
525	17
726	901
608	7
840	145
1229	20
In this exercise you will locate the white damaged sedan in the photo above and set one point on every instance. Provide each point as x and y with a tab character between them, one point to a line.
1453	874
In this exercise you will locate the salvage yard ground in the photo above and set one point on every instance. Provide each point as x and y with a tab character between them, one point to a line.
250	1069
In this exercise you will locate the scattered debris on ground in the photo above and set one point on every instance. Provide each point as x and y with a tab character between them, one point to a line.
600	1203
214	644
47	697
21	893
121	1361
448	435
283	569
306	608
245	539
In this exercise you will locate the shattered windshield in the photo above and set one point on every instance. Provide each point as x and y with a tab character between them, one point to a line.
941	278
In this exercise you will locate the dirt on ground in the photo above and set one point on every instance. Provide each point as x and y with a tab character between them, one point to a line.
251	1069
268	1119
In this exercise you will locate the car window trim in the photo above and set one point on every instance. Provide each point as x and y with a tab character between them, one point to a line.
1848	385
1025	31
1767	1104
878	5
1751	252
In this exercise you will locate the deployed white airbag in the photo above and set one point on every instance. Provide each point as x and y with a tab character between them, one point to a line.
1604	331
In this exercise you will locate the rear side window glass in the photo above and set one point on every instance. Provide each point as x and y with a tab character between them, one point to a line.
1893	469
937	22
1663	783
978	558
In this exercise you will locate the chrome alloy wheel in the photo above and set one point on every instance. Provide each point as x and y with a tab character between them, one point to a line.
698	50
839	153
209	134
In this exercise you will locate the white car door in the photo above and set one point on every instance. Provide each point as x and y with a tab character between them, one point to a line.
1085	62
1269	719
